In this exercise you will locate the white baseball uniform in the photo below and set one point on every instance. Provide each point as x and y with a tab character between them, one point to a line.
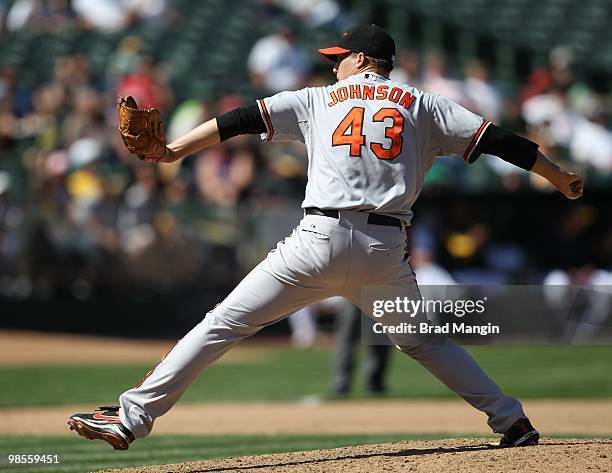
370	144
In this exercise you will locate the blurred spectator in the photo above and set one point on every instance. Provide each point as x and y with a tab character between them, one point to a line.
40	15
269	11
137	210
427	271
303	323
583	298
348	326
406	69
14	97
431	276
2	16
152	13
8	130
565	115
186	116
72	71
554	124
548	115
103	15
223	173
11	220
591	143
42	123
436	79
314	13
557	75
538	82
480	95
125	60
148	85
115	15
20	14
277	62
85	119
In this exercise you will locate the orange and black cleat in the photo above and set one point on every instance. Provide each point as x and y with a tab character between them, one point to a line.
103	424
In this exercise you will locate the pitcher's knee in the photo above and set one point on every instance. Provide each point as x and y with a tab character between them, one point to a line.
221	320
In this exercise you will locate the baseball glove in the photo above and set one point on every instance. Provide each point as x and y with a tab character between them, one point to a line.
141	130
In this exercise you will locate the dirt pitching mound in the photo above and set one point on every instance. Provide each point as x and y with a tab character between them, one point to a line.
465	455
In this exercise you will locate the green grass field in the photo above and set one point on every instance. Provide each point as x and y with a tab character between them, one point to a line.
285	374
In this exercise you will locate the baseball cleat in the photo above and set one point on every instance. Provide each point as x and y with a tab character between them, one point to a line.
103	424
520	434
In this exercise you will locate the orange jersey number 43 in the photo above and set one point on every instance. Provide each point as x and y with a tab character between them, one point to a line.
349	132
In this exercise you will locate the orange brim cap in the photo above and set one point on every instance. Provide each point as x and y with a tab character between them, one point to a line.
332	52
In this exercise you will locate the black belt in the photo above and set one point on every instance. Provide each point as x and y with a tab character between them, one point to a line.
373	219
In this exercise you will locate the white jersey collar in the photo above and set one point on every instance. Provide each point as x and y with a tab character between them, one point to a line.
371	76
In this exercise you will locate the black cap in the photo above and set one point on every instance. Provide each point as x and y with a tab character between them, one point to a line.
371	40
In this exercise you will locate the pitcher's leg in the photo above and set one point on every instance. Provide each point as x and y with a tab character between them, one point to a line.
451	364
456	368
259	300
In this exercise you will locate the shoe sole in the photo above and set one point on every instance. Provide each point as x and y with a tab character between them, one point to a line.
530	438
90	433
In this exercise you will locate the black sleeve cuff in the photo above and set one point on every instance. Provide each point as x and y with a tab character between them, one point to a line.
508	146
241	121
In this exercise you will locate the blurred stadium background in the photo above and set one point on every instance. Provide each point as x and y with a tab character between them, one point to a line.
94	241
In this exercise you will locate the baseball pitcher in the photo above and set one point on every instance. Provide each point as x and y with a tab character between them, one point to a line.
370	144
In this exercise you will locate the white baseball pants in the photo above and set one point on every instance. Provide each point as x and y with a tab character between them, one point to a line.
323	257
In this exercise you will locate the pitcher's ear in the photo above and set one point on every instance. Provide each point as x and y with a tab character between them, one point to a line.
361	59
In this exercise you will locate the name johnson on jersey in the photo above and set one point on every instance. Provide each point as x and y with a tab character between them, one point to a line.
371	92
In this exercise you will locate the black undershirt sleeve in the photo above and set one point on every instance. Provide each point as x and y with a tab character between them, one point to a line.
508	146
241	121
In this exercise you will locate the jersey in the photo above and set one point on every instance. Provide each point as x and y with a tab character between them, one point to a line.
370	141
